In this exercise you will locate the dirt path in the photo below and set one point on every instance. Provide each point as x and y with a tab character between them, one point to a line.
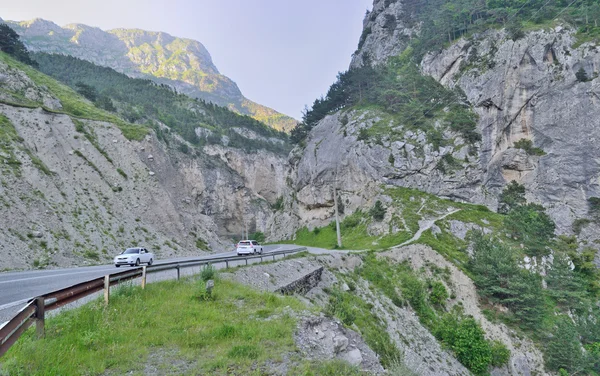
426	225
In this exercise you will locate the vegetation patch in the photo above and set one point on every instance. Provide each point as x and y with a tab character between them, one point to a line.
143	101
8	139
73	104
208	336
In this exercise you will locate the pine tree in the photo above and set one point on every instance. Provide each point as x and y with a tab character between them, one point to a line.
11	44
563	349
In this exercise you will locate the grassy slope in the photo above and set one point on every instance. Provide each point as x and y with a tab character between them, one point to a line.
407	208
240	332
73	104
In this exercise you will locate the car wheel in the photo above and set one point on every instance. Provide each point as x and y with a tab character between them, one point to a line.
150	262
137	262
117	265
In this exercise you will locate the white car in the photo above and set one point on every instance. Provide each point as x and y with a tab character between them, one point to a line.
248	247
134	256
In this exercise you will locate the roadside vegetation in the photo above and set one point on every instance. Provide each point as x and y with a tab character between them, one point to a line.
235	330
510	264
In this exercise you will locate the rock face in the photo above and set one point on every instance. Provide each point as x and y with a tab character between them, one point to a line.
387	29
531	92
76	191
181	63
524	90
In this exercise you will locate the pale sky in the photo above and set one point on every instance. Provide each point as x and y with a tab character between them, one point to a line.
281	53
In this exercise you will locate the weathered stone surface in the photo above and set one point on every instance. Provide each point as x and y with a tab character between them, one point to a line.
532	93
123	193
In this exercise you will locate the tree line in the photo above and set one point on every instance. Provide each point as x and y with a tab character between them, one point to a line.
144	101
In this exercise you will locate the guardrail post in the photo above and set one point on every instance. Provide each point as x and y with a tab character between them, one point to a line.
143	277
106	289
226	264
246	261
273	257
178	272
40	316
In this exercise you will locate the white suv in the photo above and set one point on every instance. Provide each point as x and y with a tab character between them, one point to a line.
248	247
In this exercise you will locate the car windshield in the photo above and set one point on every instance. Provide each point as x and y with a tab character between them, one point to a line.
243	243
129	251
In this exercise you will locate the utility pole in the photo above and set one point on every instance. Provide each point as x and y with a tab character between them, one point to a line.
337	217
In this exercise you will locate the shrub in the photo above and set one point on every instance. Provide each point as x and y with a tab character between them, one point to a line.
258	236
363	134
527	145
581	75
438	294
500	354
378	211
208	272
466	339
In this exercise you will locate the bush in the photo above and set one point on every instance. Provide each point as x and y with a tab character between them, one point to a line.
378	211
500	354
208	272
258	236
466	339
438	294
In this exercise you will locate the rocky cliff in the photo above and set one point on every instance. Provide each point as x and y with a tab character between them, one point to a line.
78	189
181	63
523	90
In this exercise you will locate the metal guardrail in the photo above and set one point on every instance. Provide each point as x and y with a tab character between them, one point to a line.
36	308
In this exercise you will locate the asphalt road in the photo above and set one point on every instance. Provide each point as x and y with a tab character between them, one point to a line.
16	288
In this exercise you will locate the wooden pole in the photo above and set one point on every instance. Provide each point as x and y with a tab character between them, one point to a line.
106	289
40	317
143	277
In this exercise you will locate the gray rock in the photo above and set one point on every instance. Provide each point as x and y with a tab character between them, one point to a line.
353	357
340	343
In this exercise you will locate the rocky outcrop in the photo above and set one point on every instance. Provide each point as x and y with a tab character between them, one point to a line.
527	89
387	30
184	64
523	90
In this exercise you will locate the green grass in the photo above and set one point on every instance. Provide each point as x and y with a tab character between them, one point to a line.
210	336
73	103
8	139
408	206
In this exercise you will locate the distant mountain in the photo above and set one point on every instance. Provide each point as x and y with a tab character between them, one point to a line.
181	63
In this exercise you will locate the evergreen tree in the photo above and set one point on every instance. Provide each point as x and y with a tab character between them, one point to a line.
581	75
512	196
564	285
378	211
563	350
532	226
11	44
